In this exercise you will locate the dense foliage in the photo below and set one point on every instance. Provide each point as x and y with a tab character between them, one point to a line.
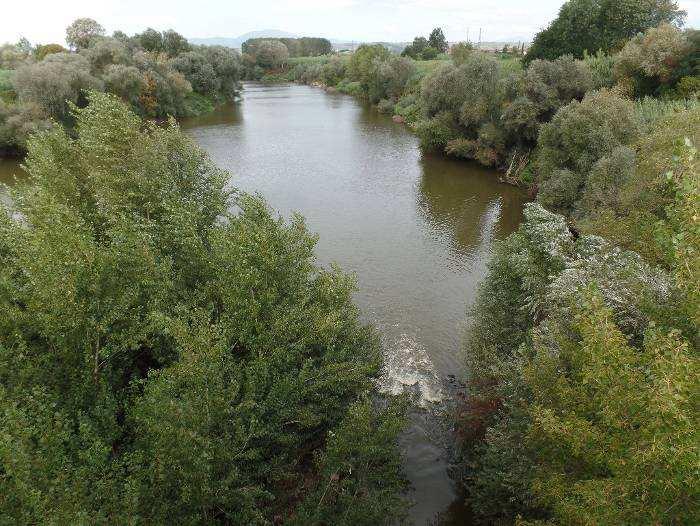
158	74
593	25
169	351
427	48
581	404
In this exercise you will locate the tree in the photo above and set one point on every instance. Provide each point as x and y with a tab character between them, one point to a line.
17	123
174	43
578	137
437	40
650	61
415	49
199	72
153	386
592	25
267	53
363	63
82	31
150	40
104	51
55	82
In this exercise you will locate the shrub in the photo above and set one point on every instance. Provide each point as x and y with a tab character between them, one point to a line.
42	51
52	83
649	61
460	52
334	70
436	132
17	123
579	135
429	53
602	68
409	107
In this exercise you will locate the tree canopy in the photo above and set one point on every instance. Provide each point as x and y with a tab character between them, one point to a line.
592	25
169	350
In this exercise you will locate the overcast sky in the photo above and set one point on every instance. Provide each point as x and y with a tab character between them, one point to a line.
44	21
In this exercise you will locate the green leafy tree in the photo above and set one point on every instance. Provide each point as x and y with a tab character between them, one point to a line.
150	40
154	386
364	62
54	82
416	48
592	25
81	32
437	40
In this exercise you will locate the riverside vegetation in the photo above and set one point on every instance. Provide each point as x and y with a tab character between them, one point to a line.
139	345
157	74
164	359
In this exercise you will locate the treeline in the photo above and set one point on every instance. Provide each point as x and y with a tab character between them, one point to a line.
169	351
489	108
297	47
159	74
262	56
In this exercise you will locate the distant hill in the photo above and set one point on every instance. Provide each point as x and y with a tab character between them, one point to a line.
237	42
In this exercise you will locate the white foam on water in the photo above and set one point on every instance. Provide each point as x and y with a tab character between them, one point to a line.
408	365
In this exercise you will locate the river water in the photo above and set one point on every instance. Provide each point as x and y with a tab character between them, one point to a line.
417	231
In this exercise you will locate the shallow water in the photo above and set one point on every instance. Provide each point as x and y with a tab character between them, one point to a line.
416	229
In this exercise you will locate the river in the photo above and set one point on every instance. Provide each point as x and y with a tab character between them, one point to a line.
417	231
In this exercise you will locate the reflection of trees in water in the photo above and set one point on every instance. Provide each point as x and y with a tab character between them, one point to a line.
468	202
226	114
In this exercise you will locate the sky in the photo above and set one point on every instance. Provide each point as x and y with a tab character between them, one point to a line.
44	21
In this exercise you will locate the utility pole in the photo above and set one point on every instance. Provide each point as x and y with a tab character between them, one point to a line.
479	38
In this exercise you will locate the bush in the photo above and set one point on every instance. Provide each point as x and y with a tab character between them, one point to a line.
42	51
17	123
52	83
334	70
429	53
602	68
560	353
460	52
436	132
649	61
579	135
409	107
